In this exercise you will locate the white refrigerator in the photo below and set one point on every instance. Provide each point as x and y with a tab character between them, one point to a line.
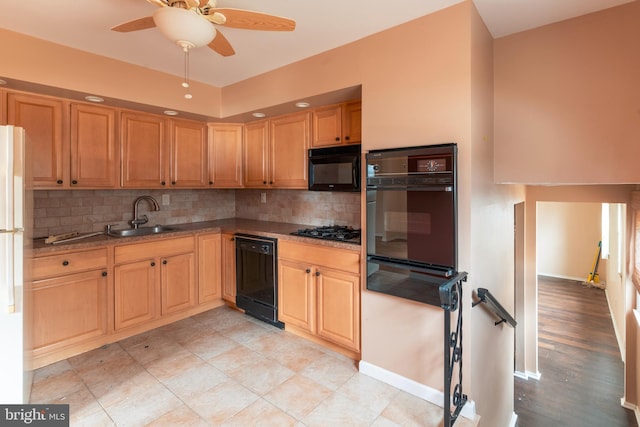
15	254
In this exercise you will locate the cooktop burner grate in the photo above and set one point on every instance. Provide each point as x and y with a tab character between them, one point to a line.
331	232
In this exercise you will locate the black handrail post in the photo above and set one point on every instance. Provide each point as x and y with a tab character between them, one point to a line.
451	300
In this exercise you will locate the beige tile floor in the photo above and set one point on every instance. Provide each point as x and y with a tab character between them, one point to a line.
224	368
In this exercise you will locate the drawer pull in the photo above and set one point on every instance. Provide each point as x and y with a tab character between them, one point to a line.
65	263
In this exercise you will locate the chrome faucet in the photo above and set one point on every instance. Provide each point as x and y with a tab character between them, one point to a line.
135	222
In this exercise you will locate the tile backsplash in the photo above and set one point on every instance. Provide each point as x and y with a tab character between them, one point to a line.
63	211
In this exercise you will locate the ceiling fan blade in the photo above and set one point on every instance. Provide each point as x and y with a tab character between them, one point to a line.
221	45
248	20
192	3
159	3
135	25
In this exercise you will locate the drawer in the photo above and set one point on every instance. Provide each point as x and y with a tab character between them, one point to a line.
153	249
70	262
318	255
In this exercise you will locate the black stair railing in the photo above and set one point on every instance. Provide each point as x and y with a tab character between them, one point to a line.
486	297
451	301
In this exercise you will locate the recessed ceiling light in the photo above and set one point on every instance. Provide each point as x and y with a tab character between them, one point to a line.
93	98
171	113
302	104
259	115
3	82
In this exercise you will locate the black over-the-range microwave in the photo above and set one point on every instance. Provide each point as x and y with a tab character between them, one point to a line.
335	168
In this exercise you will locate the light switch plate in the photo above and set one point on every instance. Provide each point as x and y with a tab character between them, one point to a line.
263	197
165	200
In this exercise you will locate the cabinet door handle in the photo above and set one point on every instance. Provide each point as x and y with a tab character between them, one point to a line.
65	262
74	182
173	183
308	270
104	274
346	138
162	183
317	273
59	182
337	138
164	261
153	264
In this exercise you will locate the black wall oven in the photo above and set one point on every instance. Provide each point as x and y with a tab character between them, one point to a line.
411	220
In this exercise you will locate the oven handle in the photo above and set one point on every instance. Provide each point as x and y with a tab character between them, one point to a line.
412	265
441	188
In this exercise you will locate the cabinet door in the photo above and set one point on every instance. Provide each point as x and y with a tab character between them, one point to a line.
289	138
338	307
95	159
225	155
42	118
228	268
144	157
135	293
256	152
209	267
296	297
178	283
352	122
188	158
327	126
69	309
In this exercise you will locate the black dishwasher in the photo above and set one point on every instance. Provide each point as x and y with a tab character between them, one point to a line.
256	277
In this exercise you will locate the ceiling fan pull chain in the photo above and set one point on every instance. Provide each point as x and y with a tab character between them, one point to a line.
185	84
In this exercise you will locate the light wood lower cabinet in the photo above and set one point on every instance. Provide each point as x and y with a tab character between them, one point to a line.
228	268
319	292
153	279
209	267
69	299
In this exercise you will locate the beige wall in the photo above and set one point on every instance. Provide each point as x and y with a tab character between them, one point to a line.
37	61
567	101
568	236
430	81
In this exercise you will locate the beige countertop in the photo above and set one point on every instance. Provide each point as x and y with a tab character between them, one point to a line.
278	230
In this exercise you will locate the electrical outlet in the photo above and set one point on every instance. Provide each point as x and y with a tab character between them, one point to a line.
263	197
165	200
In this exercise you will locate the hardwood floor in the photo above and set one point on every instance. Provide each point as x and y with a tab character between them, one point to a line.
579	360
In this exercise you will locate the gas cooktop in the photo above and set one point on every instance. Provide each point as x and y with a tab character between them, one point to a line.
339	233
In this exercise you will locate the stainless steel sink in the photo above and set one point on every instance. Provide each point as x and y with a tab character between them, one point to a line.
142	231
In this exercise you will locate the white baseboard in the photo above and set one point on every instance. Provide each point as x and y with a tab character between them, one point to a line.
514	420
634	408
528	375
422	391
559	276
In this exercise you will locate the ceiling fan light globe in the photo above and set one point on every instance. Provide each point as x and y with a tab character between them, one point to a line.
184	26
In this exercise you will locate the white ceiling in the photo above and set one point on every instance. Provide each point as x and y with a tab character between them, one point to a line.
321	25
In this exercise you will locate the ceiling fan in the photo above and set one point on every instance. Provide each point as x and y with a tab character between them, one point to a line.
189	23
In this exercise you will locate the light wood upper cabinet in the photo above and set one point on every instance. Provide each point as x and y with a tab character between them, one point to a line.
225	155
352	122
188	154
3	107
275	152
256	154
327	126
337	124
289	142
45	122
95	160
143	150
